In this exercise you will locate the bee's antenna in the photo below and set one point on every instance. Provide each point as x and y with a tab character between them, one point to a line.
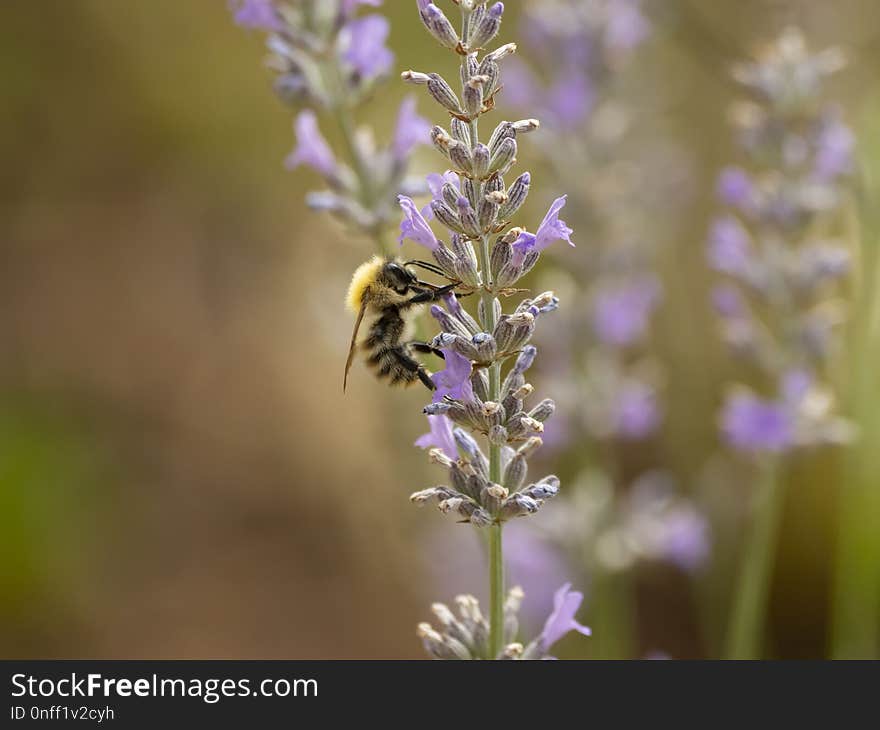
433	268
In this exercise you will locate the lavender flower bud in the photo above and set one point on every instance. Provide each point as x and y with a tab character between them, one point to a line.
530	446
461	131
443	93
481	161
515	473
436	409
471	190
480	384
446	215
501	52
504	156
464	250
461	481
514	331
473	95
468	217
485	347
456	343
438	25
440	139
503	131
469	68
445	259
545	302
415	77
518	505
520	425
543	410
492	71
492	496
501	256
524	126
471	449
547	488
449	194
525	359
497	436
493	414
487	211
460	155
448	323
516	196
481	518
487	27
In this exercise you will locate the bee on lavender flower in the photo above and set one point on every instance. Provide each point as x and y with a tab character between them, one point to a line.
387	296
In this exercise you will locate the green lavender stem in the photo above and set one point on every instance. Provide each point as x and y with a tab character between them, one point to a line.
345	122
496	552
746	629
855	632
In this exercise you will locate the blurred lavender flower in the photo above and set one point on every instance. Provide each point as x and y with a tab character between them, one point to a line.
775	310
328	59
312	148
362	42
579	50
256	14
561	621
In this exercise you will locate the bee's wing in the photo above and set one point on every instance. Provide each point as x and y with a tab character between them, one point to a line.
353	344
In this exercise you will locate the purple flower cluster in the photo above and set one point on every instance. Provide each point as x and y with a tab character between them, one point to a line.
481	430
775	307
329	58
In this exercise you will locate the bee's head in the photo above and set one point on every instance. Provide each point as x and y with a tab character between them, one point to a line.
397	276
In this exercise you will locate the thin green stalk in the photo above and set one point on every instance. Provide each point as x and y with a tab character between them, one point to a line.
346	124
746	628
855	631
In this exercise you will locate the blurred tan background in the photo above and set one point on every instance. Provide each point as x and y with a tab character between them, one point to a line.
180	476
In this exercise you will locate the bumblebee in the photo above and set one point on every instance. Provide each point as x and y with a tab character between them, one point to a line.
387	296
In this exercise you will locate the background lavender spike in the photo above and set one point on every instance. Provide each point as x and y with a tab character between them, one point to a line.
328	59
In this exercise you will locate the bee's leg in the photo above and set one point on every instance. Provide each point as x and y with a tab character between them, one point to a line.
427	349
410	364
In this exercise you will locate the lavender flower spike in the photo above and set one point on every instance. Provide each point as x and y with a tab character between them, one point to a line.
566	603
414	226
311	148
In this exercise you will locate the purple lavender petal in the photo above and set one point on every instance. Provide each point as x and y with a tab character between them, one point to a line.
735	187
311	147
622	314
363	41
256	14
834	153
414	226
565	605
627	27
729	246
440	436
752	424
552	228
411	130
636	412
455	379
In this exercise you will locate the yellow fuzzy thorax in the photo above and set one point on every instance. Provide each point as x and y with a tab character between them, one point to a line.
363	277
